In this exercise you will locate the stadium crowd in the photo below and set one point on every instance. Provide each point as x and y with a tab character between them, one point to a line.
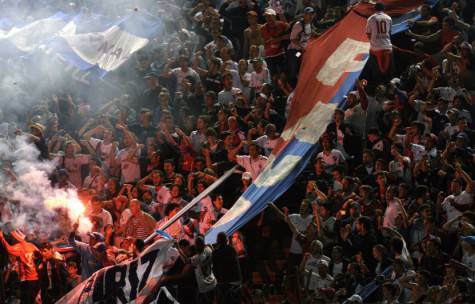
387	201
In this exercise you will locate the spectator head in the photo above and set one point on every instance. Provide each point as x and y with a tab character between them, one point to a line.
365	192
152	79
37	129
257	64
368	157
352	98
184	62
171	209
379	7
270	16
337	253
222	239
157	176
96	204
339	116
456	186
432	245
246	178
218	202
135	207
322	268
99	250
305	208
461	140
425	11
308	14
324	209
379	251
201	185
175	191
337	173
253	150
169	166
363	224
270	130
199	243
185	246
316	248
252	18
72	268
147	196
228	81
210	98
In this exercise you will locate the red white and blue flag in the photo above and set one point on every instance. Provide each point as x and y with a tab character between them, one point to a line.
330	67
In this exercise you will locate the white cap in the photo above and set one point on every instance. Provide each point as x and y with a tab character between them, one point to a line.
270	12
355	298
246	175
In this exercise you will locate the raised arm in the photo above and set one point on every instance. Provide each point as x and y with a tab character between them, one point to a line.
424	38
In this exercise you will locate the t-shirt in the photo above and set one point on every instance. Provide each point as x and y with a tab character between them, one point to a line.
317	282
130	168
312	262
301	32
203	267
258	79
140	227
73	166
104	150
392	211
301	224
272	47
266	143
102	219
379	26
464	198
253	165
25	253
180	75
334	158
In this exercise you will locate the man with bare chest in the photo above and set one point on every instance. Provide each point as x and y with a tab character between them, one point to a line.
252	34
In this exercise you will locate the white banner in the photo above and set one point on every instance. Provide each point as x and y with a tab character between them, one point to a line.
135	281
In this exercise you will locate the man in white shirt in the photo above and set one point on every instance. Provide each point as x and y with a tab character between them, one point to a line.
181	72
298	224
459	200
253	163
227	95
393	209
378	29
128	158
99	215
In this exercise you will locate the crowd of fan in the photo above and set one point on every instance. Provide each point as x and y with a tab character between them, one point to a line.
388	199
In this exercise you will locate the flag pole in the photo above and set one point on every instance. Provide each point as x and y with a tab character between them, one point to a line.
191	204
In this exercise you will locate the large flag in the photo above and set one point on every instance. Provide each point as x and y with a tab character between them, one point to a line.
104	50
330	67
136	281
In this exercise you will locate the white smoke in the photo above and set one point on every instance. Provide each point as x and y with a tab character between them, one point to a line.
31	204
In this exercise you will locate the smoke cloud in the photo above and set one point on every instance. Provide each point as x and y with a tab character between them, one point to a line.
30	203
